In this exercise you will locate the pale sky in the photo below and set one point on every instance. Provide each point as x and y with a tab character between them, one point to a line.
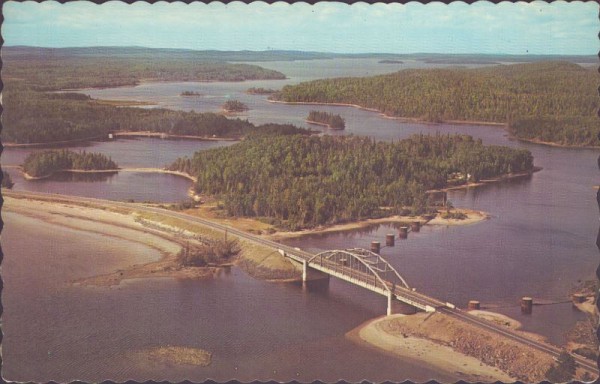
512	28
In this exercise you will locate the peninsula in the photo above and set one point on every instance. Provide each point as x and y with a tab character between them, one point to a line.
515	96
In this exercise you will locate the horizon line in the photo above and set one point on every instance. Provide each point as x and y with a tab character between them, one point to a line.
297	50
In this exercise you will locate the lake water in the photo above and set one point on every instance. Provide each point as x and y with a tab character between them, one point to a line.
539	242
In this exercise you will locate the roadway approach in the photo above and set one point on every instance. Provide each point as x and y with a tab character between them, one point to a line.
356	266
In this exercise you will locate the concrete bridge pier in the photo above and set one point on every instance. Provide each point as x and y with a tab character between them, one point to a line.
304	271
312	275
397	306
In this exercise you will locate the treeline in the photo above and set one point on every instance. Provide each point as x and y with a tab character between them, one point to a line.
516	94
40	164
234	106
34	117
190	93
332	120
34	114
260	91
305	181
568	130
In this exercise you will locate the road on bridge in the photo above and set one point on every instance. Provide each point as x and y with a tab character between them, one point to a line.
585	363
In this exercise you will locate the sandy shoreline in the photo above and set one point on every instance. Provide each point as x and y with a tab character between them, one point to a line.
455	347
166	234
167	136
163	135
117	225
473	217
26	176
424	352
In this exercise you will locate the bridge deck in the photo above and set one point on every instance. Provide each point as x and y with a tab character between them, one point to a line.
366	280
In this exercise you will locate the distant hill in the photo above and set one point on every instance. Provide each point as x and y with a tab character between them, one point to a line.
49	69
278	55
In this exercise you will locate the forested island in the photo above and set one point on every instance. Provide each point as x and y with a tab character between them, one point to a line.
545	101
260	91
296	181
44	164
190	93
327	119
234	106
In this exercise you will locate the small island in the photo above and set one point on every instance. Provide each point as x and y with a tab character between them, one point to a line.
326	119
39	165
391	62
231	106
260	91
190	93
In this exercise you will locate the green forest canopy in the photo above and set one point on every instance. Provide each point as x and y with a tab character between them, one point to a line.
36	117
41	164
305	181
332	120
34	113
547	101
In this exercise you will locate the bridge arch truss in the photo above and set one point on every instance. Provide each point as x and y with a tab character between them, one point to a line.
362	265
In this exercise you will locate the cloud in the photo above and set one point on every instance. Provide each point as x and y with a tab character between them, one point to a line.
560	27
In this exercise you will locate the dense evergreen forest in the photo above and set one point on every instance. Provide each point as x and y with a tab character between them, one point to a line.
304	181
546	101
330	119
40	164
35	117
35	114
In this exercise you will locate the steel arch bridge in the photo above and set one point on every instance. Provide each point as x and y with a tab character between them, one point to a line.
362	265
365	269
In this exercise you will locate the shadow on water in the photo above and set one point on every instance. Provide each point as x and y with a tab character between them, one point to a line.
82	177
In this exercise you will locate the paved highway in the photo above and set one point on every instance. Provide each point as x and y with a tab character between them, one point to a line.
589	365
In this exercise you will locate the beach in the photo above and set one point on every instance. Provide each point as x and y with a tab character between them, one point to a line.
471	353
